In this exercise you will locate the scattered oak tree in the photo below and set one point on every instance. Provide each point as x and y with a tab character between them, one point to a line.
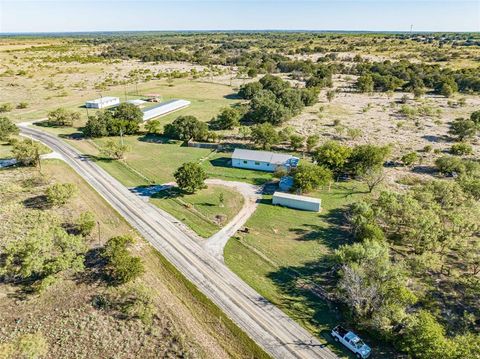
7	129
59	194
264	135
307	178
121	266
190	177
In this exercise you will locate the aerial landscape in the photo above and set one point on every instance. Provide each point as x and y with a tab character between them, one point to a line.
256	186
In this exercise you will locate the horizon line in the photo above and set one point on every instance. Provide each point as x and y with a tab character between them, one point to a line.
240	31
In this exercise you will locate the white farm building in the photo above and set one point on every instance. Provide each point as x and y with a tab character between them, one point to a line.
299	202
102	102
262	160
164	108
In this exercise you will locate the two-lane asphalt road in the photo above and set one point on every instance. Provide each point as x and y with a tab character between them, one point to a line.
263	322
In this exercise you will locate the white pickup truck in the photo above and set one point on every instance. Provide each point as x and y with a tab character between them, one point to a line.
351	341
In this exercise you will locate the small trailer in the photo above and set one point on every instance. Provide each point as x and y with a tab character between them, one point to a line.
351	341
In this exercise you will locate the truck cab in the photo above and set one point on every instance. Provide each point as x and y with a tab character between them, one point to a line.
351	341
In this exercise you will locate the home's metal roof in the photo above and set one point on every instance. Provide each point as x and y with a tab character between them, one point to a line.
261	156
297	197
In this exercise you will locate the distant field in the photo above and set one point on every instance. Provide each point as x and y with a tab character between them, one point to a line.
202	211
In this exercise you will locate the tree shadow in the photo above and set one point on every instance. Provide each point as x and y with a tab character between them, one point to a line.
232	96
173	192
153	138
436	139
207	204
76	136
37	202
94	268
221	162
333	234
305	290
150	190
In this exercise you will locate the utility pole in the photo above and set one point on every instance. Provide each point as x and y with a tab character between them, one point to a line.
121	136
37	159
99	238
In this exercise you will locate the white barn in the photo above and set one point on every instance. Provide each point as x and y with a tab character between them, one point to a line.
102	102
298	202
164	108
262	160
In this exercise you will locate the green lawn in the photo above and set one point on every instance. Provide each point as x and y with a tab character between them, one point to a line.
154	159
201	211
287	250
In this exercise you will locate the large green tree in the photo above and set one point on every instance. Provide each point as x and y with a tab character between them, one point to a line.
264	135
190	177
186	128
332	155
121	266
307	178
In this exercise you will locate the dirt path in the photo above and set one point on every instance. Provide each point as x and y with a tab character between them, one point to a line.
252	195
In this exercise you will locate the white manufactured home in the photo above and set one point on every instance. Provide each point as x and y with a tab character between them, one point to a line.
298	202
102	102
164	108
262	160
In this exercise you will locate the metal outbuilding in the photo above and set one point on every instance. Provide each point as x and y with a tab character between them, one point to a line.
102	102
164	108
298	202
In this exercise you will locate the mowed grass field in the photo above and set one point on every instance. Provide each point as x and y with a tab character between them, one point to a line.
287	251
153	160
202	212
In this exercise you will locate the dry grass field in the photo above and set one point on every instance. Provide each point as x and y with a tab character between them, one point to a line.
64	315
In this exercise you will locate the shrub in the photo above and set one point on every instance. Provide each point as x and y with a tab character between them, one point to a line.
62	117
121	266
463	129
409	158
461	149
27	152
60	193
7	129
449	165
6	107
85	223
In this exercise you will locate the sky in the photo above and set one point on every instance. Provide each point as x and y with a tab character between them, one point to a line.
140	15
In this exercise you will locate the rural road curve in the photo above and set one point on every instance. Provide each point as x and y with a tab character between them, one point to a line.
262	321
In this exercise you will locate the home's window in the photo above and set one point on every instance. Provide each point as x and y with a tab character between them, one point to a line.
257	163
245	162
